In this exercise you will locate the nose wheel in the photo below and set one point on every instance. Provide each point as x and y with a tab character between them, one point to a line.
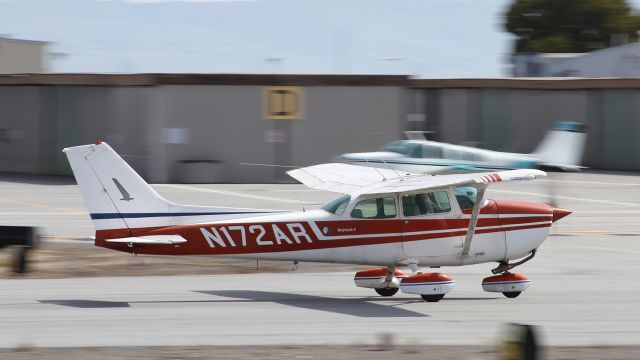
509	284
512	294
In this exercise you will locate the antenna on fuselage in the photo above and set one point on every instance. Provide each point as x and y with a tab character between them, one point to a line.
299	199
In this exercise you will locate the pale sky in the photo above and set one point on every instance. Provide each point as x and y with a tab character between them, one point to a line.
429	38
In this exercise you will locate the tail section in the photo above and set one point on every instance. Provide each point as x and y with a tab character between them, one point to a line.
119	199
563	146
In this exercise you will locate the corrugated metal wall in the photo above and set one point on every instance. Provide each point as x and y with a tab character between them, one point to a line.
515	120
193	133
184	131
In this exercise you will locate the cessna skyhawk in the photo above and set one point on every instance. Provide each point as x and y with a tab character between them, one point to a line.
384	218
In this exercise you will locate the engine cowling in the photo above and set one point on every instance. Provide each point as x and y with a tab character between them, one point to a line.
427	284
507	282
375	278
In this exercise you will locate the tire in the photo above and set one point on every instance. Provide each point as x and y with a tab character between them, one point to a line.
511	294
20	260
387	291
432	298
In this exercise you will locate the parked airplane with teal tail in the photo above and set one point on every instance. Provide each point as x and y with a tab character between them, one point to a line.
561	148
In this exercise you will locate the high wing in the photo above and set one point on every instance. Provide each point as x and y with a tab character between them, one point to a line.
348	179
343	178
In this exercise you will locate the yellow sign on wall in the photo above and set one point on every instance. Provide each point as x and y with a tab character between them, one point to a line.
283	103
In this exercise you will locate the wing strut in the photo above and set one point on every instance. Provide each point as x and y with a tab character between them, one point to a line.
473	221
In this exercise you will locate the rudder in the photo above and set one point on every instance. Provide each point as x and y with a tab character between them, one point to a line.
112	191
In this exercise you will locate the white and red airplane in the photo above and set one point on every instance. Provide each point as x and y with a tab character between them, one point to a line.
384	218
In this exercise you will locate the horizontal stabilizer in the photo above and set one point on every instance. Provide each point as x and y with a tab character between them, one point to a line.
151	240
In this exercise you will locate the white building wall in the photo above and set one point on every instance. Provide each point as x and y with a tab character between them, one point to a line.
17	56
619	61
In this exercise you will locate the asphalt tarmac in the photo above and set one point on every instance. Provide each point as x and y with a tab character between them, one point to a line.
603	203
583	293
584	290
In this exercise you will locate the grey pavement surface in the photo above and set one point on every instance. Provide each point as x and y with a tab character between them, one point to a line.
583	292
383	351
604	202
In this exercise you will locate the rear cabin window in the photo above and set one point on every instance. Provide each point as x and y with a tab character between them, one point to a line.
378	208
337	206
466	196
434	202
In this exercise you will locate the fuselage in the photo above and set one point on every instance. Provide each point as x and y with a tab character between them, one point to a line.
419	156
505	230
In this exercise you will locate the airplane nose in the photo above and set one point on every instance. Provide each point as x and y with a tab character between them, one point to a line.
344	157
560	213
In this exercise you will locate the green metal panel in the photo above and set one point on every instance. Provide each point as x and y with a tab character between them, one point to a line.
495	115
620	129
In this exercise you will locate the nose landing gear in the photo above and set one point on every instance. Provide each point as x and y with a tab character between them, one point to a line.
509	284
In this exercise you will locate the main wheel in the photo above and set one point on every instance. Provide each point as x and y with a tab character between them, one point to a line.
387	291
432	298
511	294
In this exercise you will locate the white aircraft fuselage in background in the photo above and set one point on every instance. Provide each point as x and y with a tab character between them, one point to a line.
561	148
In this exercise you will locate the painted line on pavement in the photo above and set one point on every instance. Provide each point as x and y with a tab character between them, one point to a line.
588	182
598	201
600	248
37	205
233	193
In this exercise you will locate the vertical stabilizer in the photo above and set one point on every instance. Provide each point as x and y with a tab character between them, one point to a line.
563	146
113	192
118	198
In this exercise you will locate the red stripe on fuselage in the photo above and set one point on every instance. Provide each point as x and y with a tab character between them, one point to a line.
278	237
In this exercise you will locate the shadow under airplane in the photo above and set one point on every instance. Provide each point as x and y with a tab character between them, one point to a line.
360	307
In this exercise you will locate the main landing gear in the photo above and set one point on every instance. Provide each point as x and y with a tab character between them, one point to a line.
386	292
509	284
387	281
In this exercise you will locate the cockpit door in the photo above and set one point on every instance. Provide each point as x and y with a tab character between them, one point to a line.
489	241
432	228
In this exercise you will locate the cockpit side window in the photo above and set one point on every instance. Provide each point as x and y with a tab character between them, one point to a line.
428	203
466	196
431	151
378	208
337	206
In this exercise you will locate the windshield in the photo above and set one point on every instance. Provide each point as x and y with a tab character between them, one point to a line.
337	206
466	196
399	146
